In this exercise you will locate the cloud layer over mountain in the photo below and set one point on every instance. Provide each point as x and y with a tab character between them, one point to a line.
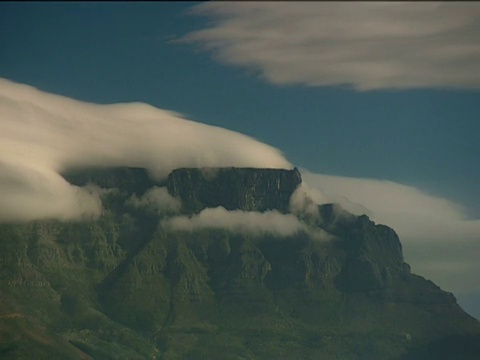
42	135
249	222
367	45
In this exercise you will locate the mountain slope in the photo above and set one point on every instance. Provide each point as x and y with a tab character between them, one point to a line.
129	286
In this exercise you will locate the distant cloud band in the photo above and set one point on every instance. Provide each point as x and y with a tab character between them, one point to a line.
366	45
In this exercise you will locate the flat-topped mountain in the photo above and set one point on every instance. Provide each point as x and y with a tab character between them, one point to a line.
129	286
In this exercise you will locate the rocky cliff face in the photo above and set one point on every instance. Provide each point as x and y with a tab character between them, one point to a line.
234	188
125	286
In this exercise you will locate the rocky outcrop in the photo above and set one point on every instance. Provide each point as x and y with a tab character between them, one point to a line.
374	258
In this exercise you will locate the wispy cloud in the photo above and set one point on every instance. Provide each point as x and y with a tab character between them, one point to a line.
156	199
367	45
43	135
247	222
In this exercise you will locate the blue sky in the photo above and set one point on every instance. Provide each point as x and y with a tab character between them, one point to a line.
378	91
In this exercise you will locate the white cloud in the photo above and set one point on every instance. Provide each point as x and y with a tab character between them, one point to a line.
439	241
29	191
42	135
369	45
302	203
156	199
381	199
249	222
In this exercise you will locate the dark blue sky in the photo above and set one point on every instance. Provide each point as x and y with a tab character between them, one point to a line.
122	52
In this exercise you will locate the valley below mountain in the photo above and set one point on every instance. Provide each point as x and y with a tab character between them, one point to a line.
218	263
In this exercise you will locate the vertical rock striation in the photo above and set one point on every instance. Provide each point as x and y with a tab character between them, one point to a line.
246	189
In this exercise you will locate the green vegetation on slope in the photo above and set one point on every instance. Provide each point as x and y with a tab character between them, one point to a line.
124	287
